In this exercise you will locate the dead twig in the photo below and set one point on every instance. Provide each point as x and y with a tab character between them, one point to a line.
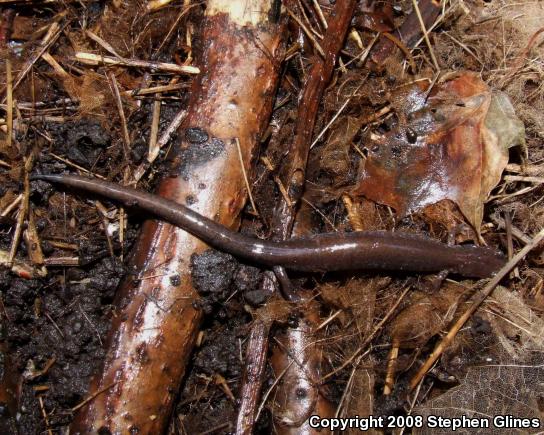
9	102
163	140
154	146
44	415
303	377
307	31
533	180
75	165
248	187
48	40
155	89
119	103
105	45
95	60
391	367
92	396
10	207
55	65
252	376
23	210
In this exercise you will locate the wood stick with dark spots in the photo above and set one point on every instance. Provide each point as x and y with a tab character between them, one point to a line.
156	322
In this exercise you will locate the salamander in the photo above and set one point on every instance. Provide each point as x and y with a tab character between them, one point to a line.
365	250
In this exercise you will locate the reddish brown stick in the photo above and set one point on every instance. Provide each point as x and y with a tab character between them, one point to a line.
318	78
155	323
298	395
252	377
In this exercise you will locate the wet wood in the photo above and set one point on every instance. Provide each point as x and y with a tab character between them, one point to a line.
156	322
296	361
252	376
409	32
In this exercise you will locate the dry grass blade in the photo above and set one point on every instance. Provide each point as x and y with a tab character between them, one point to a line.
154	146
370	337
338	112
155	89
55	65
76	166
119	103
105	45
45	416
92	396
48	40
307	32
10	207
187	7
426	35
23	210
162	141
320	14
246	180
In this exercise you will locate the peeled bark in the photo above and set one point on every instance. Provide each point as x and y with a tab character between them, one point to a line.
156	322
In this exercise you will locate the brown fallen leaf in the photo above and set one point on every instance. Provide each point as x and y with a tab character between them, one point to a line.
334	157
426	316
452	144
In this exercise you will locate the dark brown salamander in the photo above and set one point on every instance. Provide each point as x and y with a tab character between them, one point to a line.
376	250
